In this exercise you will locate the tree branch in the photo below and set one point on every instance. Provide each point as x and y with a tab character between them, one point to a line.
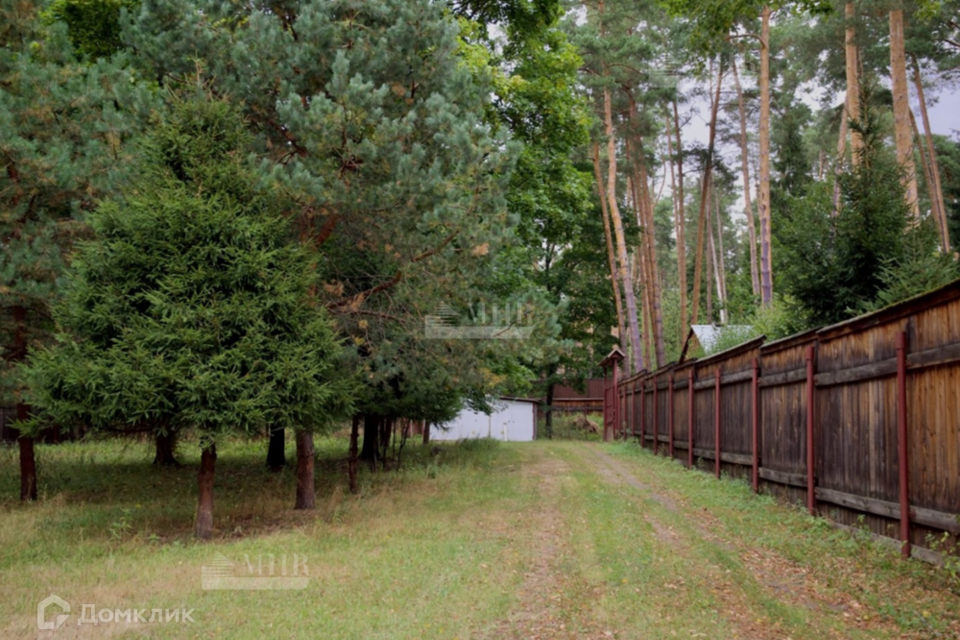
354	301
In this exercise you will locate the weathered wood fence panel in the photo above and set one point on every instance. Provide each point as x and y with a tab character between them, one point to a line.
662	381
682	383
856	420
783	407
859	421
933	409
704	420
566	398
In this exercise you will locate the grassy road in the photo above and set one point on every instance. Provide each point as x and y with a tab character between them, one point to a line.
476	540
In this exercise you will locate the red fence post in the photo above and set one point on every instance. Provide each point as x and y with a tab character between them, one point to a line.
643	413
656	423
690	419
670	416
716	438
755	418
625	418
902	458
811	409
621	412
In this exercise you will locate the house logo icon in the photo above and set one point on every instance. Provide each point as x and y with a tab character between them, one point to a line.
42	622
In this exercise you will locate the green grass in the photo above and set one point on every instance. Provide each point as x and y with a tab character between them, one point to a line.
475	539
850	579
113	531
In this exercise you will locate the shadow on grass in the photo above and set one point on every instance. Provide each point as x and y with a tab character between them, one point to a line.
109	489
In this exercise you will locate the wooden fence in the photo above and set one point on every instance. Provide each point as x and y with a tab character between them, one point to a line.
860	421
590	400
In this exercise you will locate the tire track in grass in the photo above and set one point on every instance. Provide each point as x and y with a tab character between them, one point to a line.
714	609
541	611
778	603
757	583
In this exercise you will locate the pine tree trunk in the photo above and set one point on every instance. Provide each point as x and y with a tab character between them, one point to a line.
386	428
925	168
646	208
306	492
370	451
165	446
673	197
763	196
935	187
617	224
548	413
640	278
901	113
745	170
28	458
28	461
681	230
720	262
653	271
853	79
611	256
203	527
639	266
711	264
353	462
704	200
276	455
838	167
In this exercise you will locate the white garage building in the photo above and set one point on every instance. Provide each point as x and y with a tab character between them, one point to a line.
513	420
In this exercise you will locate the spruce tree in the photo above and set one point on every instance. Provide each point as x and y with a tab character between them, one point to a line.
191	311
872	253
374	123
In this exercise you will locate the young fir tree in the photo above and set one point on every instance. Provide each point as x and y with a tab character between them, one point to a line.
872	253
192	311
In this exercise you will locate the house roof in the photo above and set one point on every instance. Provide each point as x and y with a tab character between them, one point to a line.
708	335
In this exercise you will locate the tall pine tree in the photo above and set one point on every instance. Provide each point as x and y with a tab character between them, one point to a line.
63	127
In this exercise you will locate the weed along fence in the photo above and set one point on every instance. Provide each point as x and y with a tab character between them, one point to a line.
859	422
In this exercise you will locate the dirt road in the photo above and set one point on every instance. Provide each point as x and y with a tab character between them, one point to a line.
632	546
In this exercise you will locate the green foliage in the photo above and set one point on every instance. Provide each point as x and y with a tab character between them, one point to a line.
191	309
372	119
922	269
714	20
93	25
948	155
554	257
522	18
869	254
730	336
63	133
773	322
776	321
791	165
949	552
